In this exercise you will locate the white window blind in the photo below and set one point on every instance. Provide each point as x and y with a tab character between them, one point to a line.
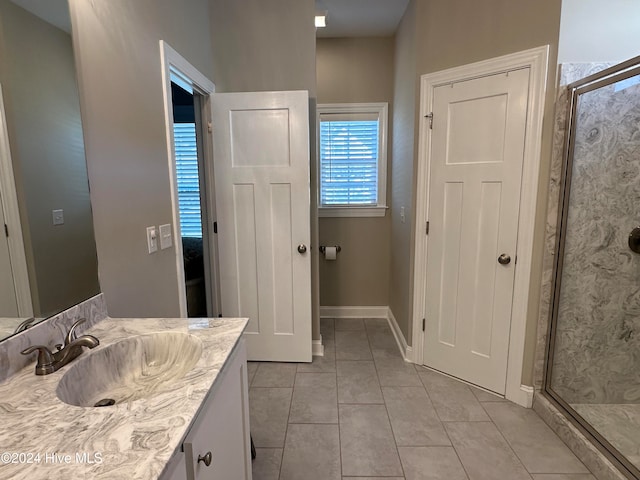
184	135
352	159
349	151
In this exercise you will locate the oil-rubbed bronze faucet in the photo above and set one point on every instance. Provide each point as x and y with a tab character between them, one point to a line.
49	362
24	325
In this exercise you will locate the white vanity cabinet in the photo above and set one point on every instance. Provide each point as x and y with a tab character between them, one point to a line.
217	446
176	468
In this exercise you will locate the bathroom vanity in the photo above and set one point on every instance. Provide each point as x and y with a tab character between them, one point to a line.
181	406
217	443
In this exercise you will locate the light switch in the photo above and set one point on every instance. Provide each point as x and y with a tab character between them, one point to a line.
58	217
152	239
166	237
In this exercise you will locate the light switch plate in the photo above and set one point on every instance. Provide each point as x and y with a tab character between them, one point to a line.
58	216
402	216
152	239
166	237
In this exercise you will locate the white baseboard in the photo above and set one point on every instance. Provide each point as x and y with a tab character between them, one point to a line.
409	355
354	312
523	396
317	348
405	350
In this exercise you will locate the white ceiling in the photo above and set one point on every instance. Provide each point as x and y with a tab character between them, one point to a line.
56	12
361	18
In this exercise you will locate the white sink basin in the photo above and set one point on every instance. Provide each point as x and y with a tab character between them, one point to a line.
131	369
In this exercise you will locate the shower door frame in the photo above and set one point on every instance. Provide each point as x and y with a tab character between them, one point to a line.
616	73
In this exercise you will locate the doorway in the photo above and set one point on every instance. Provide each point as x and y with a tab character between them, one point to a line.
477	199
187	112
8	300
15	290
188	139
255	208
474	204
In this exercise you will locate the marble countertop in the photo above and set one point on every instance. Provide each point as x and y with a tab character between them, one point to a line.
48	439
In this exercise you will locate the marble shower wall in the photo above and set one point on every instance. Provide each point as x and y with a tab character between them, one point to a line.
597	354
567	73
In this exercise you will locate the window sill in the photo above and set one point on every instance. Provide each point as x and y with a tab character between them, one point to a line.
379	211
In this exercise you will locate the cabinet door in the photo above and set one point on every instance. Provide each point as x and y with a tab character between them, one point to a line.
222	428
176	468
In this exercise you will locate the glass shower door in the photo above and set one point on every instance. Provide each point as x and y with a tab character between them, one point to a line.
593	367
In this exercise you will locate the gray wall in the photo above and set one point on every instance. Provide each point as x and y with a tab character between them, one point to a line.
242	46
455	33
356	70
118	59
263	46
405	99
38	79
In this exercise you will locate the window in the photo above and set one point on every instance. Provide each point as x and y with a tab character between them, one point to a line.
184	135
352	143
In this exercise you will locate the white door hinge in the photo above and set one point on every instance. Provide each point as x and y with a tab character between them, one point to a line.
430	117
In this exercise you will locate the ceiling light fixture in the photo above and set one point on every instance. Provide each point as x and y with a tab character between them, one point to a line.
321	20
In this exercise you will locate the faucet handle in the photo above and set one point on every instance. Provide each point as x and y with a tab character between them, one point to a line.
45	358
71	334
24	325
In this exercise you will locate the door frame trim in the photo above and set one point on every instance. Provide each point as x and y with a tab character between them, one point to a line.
172	60
537	60
9	204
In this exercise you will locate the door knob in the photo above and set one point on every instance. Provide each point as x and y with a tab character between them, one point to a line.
634	240
302	248
206	459
504	259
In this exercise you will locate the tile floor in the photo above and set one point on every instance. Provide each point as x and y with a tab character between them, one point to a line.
362	413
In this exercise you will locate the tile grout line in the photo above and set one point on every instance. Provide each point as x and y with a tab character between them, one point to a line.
337	401
443	426
395	442
502	435
509	444
286	432
339	428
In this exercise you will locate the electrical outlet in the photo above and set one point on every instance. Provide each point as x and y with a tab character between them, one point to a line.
152	239
166	237
402	216
58	216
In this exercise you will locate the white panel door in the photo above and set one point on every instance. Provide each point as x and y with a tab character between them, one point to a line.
477	149
261	168
8	301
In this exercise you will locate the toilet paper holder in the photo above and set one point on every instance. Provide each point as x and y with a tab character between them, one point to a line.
322	248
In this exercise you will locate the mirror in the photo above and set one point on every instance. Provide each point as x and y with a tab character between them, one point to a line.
45	138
